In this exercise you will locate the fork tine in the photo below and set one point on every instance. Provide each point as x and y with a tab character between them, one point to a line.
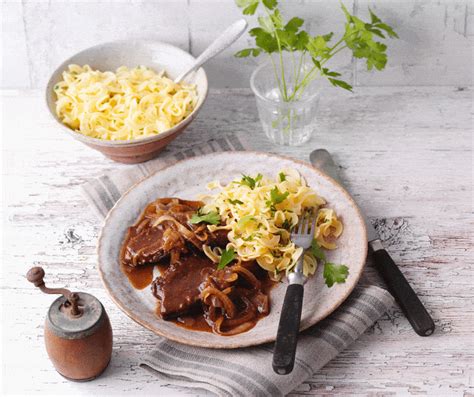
313	222
303	227
306	224
307	221
300	224
309	218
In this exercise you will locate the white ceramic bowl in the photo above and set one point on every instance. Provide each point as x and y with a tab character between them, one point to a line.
132	53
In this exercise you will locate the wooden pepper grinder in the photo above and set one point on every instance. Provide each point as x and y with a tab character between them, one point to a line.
77	332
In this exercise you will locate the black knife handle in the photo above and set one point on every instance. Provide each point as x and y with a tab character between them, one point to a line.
288	329
403	293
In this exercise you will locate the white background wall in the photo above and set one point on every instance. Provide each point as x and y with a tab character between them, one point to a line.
435	45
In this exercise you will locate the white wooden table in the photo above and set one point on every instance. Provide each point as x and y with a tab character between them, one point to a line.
406	155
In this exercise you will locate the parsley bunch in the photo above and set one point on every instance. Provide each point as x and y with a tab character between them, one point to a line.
274	36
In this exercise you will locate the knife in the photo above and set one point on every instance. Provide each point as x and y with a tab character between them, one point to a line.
396	282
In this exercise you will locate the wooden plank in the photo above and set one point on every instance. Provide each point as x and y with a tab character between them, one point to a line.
405	154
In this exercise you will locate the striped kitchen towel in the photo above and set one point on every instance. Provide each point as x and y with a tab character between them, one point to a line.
242	372
248	372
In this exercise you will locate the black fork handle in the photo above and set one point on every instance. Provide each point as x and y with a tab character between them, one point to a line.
288	329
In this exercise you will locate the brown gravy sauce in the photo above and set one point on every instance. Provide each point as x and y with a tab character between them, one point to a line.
141	276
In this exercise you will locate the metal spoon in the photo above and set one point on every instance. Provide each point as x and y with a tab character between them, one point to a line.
231	34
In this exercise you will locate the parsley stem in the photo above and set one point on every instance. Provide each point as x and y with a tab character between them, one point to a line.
335	45
343	38
331	54
334	53
299	69
276	72
282	67
307	78
305	81
293	62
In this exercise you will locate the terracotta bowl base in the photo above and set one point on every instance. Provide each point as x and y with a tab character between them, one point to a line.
134	159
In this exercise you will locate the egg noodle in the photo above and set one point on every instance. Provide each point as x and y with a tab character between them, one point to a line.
260	212
128	104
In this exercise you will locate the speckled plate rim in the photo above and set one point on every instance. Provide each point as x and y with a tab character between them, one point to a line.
270	338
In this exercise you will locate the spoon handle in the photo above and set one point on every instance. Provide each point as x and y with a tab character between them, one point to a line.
231	34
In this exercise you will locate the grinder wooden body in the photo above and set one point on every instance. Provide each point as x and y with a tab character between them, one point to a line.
80	350
77	332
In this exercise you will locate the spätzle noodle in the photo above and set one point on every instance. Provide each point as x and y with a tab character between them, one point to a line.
259	229
128	104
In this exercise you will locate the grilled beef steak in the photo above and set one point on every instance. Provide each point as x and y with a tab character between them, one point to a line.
163	231
178	288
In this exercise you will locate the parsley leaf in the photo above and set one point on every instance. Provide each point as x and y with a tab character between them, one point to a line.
212	218
249	6
226	257
335	273
277	197
317	251
282	176
340	83
270	4
247	52
265	40
249	181
318	48
234	202
294	24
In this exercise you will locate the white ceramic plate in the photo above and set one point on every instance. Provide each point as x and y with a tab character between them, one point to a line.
187	180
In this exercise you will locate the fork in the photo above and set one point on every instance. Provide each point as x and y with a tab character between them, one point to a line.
288	328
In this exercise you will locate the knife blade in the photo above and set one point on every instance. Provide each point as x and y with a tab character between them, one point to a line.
397	284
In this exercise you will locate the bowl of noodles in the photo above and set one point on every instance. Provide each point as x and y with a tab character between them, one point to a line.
120	98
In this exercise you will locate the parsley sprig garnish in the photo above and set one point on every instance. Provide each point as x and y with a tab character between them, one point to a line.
273	35
276	197
211	218
249	181
226	257
335	274
332	273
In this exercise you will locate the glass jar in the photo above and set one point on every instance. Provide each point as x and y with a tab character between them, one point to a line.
289	122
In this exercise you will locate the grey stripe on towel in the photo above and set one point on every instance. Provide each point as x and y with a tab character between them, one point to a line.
243	372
